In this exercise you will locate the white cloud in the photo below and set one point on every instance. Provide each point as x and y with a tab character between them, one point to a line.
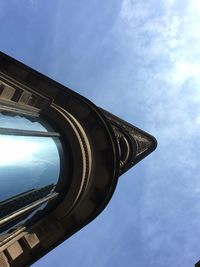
168	45
132	10
183	71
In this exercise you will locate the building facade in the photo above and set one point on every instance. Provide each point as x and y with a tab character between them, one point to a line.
61	160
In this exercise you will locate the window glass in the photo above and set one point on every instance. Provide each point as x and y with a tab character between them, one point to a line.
22	123
29	163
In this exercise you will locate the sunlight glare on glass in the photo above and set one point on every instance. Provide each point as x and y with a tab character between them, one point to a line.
14	150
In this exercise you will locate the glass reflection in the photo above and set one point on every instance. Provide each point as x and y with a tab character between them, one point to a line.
29	165
18	122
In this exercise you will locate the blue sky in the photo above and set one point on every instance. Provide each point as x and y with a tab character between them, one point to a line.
140	60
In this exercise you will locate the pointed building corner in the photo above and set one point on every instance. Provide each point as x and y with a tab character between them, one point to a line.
91	149
134	143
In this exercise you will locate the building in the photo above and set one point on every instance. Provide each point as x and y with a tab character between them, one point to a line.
60	163
197	264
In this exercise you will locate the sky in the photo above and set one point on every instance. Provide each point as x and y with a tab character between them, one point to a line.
141	61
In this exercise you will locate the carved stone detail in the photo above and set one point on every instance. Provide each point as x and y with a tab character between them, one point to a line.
3	260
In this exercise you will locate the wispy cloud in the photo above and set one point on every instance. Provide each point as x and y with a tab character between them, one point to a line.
166	39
